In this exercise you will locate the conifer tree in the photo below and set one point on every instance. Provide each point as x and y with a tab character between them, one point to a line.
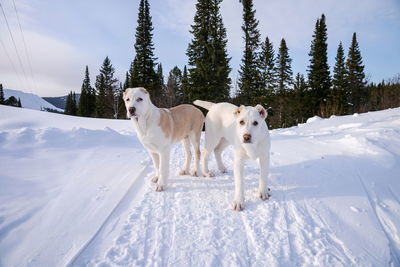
19	103
127	81
70	105
301	105
142	71
185	86
2	100
338	98
284	68
249	74
85	106
267	66
101	99
208	62
107	87
173	88
160	74
355	76
318	71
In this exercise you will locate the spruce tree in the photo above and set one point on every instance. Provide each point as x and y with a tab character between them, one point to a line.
19	103
85	99
107	87
2	99
142	71
338	98
100	96
249	74
185	86
300	103
208	61
126	83
284	68
318	71
70	105
355	76
173	88
267	67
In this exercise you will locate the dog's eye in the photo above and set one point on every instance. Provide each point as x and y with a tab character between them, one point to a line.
127	99
255	123
241	122
139	99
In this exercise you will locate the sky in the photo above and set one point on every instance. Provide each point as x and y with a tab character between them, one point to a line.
62	37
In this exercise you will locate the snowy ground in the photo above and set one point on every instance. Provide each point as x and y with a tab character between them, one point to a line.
75	191
30	101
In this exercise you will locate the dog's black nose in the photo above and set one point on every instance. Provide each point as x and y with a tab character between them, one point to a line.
247	138
132	110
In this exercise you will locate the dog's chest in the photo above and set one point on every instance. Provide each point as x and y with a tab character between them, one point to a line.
154	139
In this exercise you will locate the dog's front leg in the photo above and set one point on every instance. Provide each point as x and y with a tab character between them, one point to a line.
156	163
264	170
238	202
164	169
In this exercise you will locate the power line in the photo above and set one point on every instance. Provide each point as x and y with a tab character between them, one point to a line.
25	47
12	64
15	46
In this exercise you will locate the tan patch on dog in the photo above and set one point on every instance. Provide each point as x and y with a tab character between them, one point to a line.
178	122
143	90
238	110
261	110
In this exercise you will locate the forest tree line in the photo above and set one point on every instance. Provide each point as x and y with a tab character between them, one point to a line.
265	74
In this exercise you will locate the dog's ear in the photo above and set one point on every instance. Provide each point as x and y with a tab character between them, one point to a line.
262	111
143	90
238	110
125	92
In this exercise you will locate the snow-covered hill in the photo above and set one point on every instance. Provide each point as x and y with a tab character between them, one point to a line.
75	191
30	101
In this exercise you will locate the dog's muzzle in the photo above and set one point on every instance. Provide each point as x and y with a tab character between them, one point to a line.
132	110
247	138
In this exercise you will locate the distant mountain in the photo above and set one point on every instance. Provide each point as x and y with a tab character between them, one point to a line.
31	101
60	101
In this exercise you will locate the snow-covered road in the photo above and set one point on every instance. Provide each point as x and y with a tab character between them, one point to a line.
335	188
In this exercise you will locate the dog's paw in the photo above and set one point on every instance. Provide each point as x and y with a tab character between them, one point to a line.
238	205
160	188
209	174
154	179
224	170
183	172
196	173
264	195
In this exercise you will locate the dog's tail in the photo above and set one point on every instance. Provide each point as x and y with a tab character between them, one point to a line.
204	104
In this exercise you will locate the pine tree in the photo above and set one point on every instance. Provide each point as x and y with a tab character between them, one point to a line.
249	74
267	66
127	80
85	99
338	98
100	96
160	74
355	76
107	87
19	103
142	71
185	86
70	105
208	62
173	88
120	104
284	68
301	102
318	71
2	99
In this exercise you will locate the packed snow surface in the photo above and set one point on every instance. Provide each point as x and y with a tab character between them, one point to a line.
31	101
76	191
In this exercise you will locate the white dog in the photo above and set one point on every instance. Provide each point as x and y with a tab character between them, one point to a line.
159	128
246	129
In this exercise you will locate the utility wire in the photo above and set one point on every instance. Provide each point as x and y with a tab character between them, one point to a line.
11	63
15	46
25	47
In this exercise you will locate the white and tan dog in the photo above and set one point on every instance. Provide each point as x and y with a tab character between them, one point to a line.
245	128
159	128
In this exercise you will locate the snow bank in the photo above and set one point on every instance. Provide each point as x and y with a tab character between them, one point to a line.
30	101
